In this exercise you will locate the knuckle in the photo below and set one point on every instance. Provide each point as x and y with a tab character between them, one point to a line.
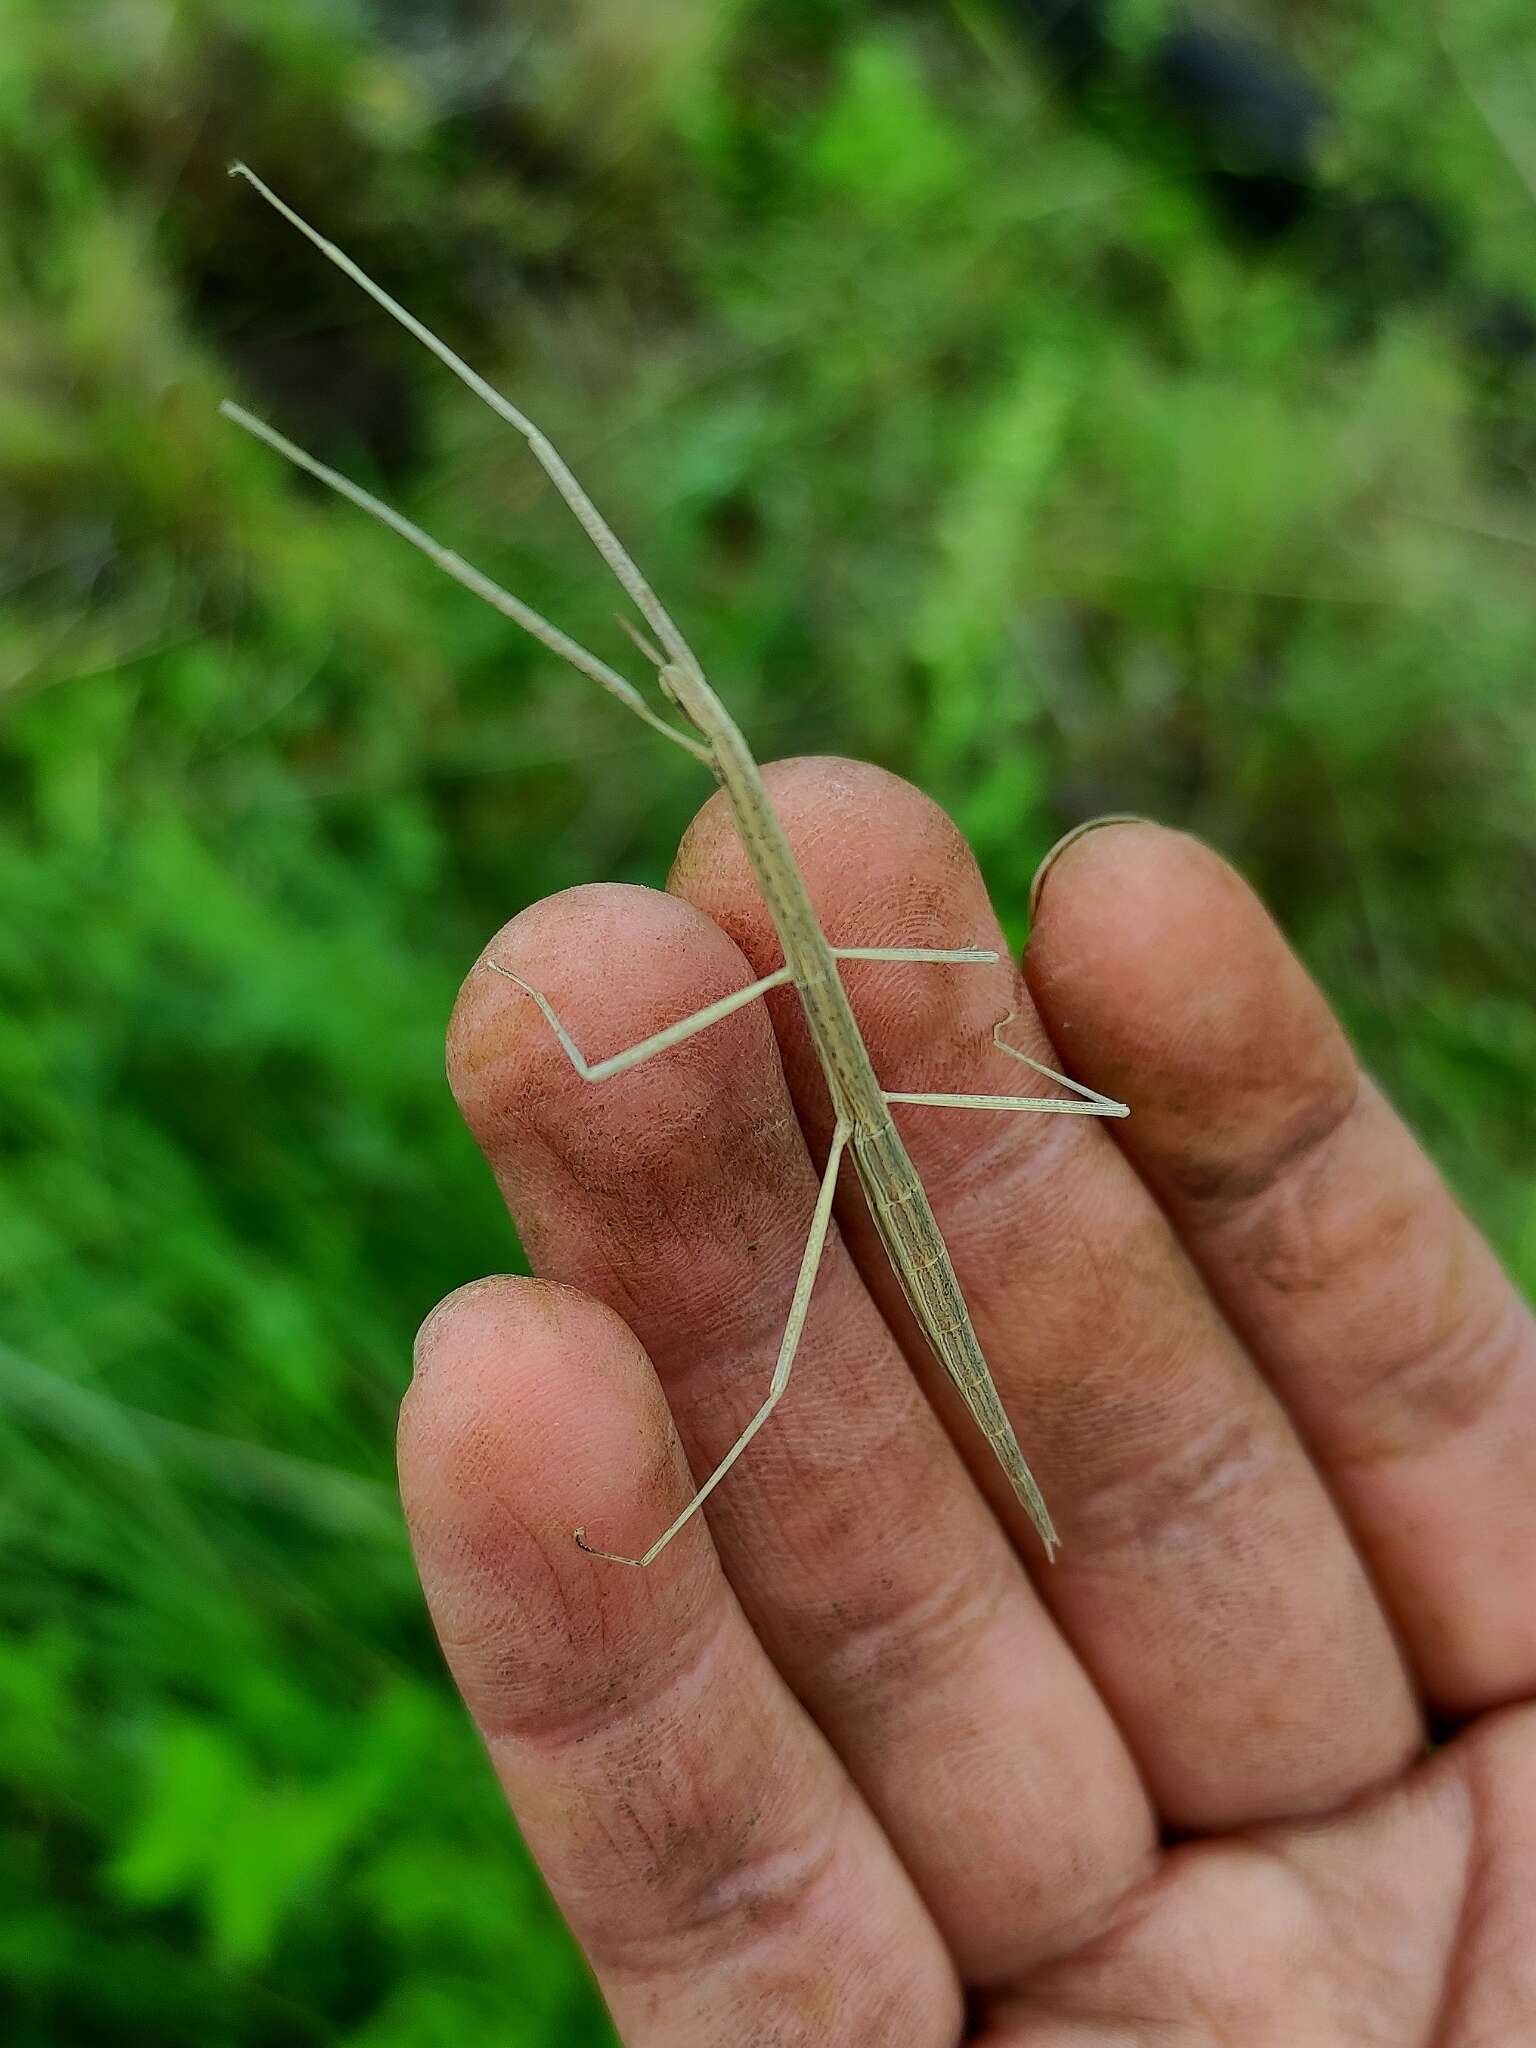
1165	1500
897	1633
1309	1130
1424	1393
587	1687
725	1877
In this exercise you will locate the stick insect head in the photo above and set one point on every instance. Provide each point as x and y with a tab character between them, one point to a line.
682	684
687	689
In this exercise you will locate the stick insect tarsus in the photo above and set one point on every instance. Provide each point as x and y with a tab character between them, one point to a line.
864	1127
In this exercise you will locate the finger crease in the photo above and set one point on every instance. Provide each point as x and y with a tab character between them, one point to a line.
603	1693
1430	1393
1229	1185
729	1883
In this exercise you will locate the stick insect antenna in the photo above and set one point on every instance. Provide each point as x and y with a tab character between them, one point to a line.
473	579
549	458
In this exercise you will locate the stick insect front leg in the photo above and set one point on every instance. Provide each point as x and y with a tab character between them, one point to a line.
659	1041
810	1262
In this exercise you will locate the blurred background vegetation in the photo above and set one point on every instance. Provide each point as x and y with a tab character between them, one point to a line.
1068	416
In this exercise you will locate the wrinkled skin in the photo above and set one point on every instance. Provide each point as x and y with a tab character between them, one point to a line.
850	1763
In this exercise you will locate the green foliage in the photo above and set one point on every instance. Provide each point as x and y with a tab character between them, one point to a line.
956	433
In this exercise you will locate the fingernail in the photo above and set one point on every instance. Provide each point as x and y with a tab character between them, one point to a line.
1068	839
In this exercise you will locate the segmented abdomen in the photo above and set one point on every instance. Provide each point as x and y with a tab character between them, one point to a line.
921	1262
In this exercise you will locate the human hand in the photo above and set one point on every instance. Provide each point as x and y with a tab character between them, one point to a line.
851	1764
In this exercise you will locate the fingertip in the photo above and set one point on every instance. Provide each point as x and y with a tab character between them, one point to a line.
1096	862
885	866
549	942
615	962
1165	982
442	1324
1069	839
534	1411
498	1367
530	1368
862	837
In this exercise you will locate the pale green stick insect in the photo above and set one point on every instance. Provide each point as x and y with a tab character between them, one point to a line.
864	1126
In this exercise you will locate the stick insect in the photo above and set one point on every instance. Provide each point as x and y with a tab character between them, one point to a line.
864	1127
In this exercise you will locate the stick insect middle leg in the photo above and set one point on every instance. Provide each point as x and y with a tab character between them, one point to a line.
1094	1105
959	956
810	1262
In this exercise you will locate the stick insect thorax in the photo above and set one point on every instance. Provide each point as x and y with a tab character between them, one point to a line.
864	1126
851	1080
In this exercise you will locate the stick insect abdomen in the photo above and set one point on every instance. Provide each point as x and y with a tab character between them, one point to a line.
920	1259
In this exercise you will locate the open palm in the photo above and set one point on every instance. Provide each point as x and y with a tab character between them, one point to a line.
851	1764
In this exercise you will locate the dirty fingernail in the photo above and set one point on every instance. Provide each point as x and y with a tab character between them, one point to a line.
1069	838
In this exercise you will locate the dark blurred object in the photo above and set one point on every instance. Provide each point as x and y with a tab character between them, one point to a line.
1255	121
1071	32
1250	127
1250	123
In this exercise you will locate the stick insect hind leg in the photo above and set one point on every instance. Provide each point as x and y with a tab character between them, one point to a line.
810	1263
1085	1101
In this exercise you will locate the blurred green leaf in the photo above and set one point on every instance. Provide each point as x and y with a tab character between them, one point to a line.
957	435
